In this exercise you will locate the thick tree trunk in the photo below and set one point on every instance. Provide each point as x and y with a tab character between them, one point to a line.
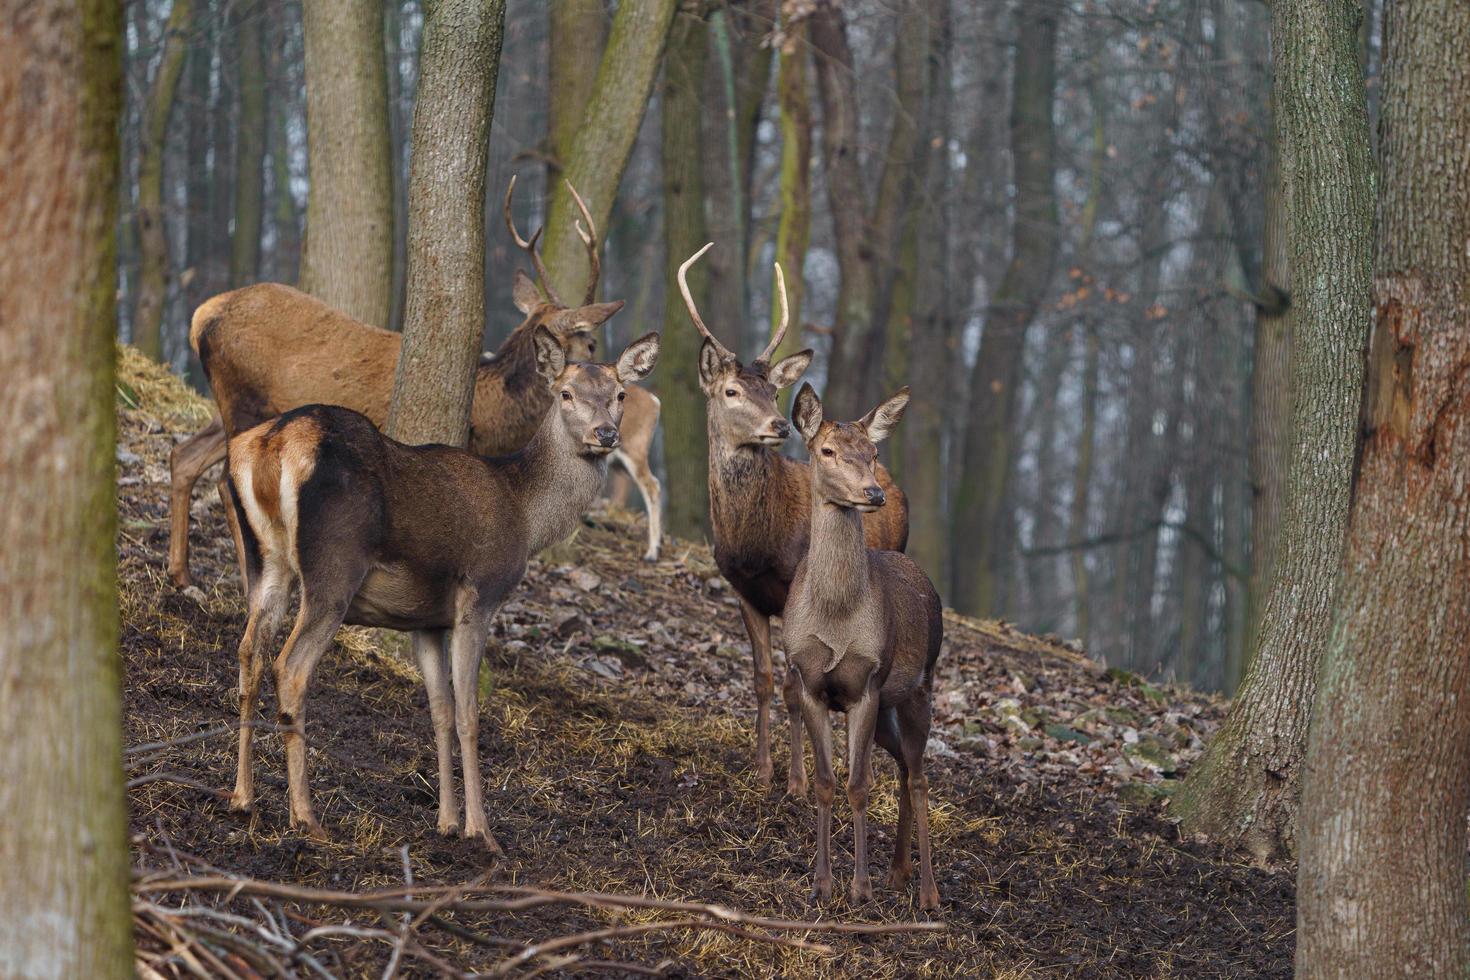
605	137
152	236
347	260
445	314
578	31
685	448
249	147
1244	789
996	374
794	231
1381	890
64	910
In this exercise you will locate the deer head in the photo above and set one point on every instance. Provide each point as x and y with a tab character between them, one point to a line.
741	400
589	397
845	454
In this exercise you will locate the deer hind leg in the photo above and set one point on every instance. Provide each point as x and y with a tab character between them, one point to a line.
791	694
913	725
886	735
270	598
433	659
187	462
466	651
819	727
862	718
653	497
758	628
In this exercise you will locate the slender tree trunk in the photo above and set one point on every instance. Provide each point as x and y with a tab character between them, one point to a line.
347	260
249	147
1381	888
996	374
1244	789
64	910
794	230
459	60
285	214
152	236
578	33
604	140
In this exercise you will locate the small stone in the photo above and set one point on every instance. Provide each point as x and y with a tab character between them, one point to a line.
1064	734
566	620
584	579
610	669
127	457
195	593
714	584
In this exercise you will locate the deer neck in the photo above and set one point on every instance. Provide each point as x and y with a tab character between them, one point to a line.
740	480
558	482
837	558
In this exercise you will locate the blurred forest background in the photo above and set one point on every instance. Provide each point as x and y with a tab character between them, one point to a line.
1060	221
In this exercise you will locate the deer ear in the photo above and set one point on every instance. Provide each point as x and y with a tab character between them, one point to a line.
880	421
637	361
551	360
806	412
525	293
787	371
598	313
710	363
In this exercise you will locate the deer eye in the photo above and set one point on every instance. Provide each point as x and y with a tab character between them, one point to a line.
621	396
827	451
731	392
566	396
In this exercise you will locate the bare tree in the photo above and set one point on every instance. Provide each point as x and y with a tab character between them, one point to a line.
249	148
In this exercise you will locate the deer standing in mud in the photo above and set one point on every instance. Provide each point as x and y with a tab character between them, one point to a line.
863	629
269	348
428	539
760	508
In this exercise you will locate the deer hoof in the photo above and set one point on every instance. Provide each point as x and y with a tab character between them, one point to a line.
796	788
491	844
312	831
651	555
898	878
241	803
821	891
448	828
861	890
929	898
180	577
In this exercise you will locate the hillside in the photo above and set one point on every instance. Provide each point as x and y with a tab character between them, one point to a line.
616	742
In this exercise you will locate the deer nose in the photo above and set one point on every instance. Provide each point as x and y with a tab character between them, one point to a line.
607	435
781	428
875	496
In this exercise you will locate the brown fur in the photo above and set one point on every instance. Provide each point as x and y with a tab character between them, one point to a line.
863	630
429	539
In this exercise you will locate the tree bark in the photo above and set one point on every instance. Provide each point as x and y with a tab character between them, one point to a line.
793	233
685	445
286	258
64	910
445	315
347	258
152	236
996	374
605	137
1381	888
1243	791
578	31
249	148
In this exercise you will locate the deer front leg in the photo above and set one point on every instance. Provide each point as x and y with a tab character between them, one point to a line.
862	719
791	694
758	628
466	650
819	727
913	725
433	661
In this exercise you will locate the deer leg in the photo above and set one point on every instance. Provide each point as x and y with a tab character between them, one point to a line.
819	727
269	600
758	627
886	734
232	518
862	718
316	624
652	493
913	720
186	463
791	694
433	660
466	650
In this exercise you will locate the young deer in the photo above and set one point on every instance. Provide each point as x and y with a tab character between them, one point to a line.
428	539
863	629
759	504
268	348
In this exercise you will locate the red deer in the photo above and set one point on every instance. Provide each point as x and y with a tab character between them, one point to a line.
269	348
427	539
863	629
759	503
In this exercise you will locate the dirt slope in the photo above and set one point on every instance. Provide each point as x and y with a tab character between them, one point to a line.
616	739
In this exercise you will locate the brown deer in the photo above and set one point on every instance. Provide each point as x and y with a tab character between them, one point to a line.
428	539
759	503
269	348
863	629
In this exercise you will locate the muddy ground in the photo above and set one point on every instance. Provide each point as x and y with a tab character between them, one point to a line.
615	741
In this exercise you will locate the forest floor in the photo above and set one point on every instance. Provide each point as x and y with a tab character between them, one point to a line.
616	741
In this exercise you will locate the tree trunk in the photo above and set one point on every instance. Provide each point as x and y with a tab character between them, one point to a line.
605	137
249	148
578	31
1381	888
685	449
64	910
996	374
347	259
794	231
152	236
286	215
444	318
1243	791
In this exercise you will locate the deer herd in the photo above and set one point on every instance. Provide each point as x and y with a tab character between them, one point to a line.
432	539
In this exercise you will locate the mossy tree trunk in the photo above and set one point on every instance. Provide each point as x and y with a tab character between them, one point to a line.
444	318
578	31
64	908
793	233
1243	791
1381	889
249	147
347	258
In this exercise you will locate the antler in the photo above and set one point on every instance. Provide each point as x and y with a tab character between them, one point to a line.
689	300
589	240
530	247
780	333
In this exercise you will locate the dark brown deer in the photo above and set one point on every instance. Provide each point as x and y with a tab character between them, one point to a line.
863	629
760	503
269	348
428	539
